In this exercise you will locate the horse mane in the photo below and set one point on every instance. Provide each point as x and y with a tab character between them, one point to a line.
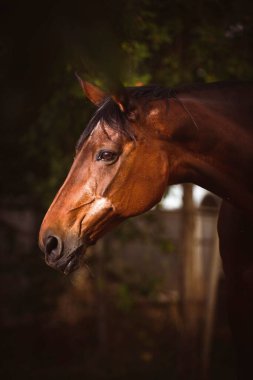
110	114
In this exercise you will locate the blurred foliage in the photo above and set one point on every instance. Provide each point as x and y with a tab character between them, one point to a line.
139	257
125	299
136	41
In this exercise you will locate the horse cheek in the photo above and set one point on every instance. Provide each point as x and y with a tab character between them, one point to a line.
153	184
160	180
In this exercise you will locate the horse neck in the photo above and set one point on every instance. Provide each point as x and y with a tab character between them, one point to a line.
214	144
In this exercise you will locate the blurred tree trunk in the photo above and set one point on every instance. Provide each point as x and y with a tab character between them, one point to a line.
189	286
215	269
101	298
191	269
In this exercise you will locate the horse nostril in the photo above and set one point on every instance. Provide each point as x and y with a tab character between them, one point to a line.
53	247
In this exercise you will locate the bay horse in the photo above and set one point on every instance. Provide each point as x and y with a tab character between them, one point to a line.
143	139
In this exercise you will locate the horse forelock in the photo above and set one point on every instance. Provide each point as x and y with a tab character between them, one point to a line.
109	113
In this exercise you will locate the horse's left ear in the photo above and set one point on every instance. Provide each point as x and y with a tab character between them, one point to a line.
93	93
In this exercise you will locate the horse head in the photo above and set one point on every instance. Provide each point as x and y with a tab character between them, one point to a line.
120	170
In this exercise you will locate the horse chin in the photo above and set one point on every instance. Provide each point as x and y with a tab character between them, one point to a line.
71	262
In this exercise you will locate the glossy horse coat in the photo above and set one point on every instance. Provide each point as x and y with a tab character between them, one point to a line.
141	140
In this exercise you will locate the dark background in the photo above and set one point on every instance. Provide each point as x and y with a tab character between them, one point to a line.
42	113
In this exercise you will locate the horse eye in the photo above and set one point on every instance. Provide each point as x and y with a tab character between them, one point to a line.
107	155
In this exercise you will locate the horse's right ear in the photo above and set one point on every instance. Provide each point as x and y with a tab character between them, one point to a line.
126	104
92	92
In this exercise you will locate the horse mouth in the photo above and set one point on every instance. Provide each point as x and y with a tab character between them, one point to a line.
70	263
73	263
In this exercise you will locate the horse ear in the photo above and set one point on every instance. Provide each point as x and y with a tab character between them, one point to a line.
92	92
122	101
125	103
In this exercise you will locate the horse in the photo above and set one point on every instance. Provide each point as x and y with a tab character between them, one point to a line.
141	140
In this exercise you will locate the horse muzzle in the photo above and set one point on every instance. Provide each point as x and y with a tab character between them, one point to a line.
62	256
69	263
64	242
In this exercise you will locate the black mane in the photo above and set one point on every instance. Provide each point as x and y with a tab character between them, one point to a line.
110	114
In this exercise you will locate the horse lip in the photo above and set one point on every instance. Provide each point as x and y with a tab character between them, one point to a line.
71	262
71	265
